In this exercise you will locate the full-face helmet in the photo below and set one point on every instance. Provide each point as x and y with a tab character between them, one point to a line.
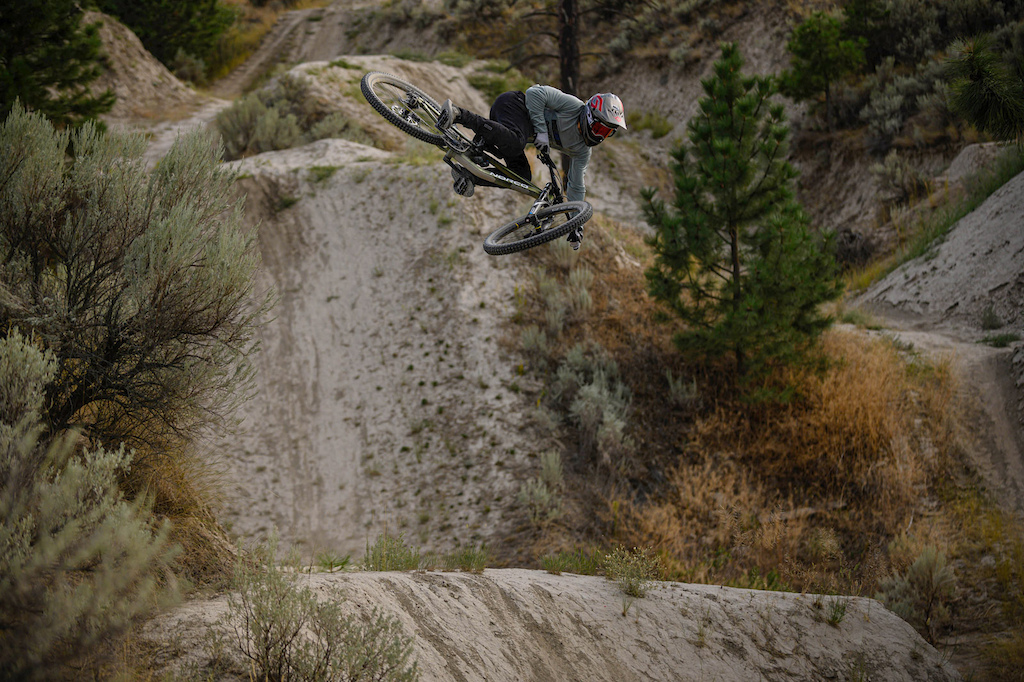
600	118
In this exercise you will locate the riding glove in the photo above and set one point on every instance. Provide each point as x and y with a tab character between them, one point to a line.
541	143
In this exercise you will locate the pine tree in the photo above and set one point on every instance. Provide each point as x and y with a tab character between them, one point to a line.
736	259
48	59
167	26
820	57
984	91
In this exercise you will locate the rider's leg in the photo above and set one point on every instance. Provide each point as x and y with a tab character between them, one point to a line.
506	131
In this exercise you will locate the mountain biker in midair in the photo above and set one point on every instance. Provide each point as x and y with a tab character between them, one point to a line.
545	116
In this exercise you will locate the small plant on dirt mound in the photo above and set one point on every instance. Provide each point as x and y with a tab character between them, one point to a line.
288	634
633	571
390	553
923	594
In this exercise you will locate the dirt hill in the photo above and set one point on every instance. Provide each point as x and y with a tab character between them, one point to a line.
526	625
387	400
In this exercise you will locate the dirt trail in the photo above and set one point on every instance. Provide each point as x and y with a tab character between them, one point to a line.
967	289
274	45
995	443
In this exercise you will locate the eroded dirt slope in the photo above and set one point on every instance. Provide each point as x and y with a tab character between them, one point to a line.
969	287
385	400
514	625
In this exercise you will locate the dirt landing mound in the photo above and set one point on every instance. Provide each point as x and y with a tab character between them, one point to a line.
527	625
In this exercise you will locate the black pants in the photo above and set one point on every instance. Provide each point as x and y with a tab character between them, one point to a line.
506	132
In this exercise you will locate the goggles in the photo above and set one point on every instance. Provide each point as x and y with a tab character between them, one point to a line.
600	129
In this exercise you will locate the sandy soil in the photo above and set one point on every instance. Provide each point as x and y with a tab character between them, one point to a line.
526	625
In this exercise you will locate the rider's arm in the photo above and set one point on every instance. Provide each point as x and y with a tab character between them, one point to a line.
541	97
575	189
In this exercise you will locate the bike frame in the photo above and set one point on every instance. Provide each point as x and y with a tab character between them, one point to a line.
462	152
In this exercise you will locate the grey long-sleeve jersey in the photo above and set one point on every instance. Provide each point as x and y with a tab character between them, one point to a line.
557	113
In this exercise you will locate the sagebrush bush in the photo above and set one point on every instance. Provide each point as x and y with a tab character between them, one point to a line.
78	563
390	553
141	283
923	594
541	495
280	116
543	505
588	389
288	634
899	181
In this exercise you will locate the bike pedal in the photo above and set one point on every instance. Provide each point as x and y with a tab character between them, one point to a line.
575	238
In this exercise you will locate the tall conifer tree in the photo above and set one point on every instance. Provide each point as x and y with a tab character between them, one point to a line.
47	60
736	259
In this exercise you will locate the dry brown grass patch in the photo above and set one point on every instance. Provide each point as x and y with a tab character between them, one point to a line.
812	491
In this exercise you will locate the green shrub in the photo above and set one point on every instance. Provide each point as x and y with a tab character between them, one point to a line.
683	393
390	553
543	504
576	561
287	634
541	495
321	173
1001	340
595	401
454	58
78	564
140	283
281	116
657	123
498	77
990	319
332	561
472	559
535	343
899	181
923	594
634	570
188	67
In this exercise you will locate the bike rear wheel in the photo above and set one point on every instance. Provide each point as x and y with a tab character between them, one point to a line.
404	105
546	224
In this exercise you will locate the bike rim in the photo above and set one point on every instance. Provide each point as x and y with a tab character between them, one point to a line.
530	227
406	106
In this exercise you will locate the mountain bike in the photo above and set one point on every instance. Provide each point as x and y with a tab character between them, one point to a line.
413	111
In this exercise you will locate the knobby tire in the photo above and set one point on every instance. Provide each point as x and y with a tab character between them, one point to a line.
526	232
389	95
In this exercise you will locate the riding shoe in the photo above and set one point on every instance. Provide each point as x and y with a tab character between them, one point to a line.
463	182
449	114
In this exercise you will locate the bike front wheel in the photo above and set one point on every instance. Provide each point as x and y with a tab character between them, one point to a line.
403	105
546	224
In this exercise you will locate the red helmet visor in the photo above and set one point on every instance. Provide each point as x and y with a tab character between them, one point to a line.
601	130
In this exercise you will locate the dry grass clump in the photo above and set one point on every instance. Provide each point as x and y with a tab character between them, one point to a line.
804	491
